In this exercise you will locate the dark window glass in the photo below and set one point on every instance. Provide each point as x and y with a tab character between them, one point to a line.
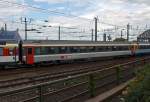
114	48
91	49
29	50
99	49
73	49
109	48
62	50
119	48
105	48
37	51
126	48
83	49
53	50
1	51
42	50
50	50
23	52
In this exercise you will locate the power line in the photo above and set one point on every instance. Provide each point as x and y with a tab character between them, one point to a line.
50	11
111	24
32	24
43	10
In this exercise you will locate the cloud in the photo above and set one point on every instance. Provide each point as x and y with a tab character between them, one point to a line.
50	1
7	9
116	12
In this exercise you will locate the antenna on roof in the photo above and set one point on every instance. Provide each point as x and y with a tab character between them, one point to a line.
5	27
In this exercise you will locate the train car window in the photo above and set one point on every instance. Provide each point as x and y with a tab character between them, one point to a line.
142	47
99	48
1	51
105	48
43	50
67	49
123	48
147	47
114	48
73	49
83	49
109	48
37	51
11	51
56	50
23	51
62	50
119	48
91	49
48	50
51	50
29	50
126	48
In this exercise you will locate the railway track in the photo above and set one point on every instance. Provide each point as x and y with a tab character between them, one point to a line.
77	88
40	77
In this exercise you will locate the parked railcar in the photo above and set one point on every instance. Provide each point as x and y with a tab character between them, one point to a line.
31	53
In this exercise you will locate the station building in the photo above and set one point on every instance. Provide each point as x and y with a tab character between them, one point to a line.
144	37
9	36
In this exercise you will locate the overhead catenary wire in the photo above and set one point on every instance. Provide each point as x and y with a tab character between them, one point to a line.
57	12
43	10
52	11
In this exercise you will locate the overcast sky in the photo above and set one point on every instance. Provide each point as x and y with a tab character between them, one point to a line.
115	12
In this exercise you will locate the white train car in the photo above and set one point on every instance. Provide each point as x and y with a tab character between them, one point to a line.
37	52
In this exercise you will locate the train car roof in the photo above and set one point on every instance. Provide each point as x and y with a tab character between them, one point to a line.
75	43
55	45
70	42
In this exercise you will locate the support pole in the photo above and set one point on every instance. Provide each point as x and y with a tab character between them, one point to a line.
5	27
59	33
128	31
92	35
91	85
118	74
25	28
121	34
96	28
20	52
24	20
40	94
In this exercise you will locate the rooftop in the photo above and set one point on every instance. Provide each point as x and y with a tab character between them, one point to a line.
9	36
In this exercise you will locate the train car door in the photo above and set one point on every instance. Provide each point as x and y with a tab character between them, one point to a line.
5	51
30	55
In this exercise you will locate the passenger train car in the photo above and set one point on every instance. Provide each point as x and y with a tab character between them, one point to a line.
37	52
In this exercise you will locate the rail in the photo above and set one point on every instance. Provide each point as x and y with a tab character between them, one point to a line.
75	88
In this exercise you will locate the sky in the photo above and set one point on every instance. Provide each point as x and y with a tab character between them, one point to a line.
78	15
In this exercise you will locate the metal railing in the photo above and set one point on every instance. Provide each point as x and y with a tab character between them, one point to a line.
75	88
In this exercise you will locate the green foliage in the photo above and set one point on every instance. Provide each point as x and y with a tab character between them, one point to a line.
139	89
